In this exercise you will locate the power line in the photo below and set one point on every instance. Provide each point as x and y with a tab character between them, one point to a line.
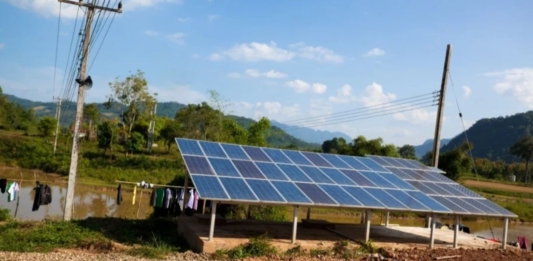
102	42
376	113
57	47
381	105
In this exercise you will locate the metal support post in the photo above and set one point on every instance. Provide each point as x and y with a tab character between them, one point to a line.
387	219
308	213
213	219
505	229
294	225
456	233
368	221
432	232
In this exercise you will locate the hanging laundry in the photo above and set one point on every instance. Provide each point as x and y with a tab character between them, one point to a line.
134	194
119	194
3	185
196	197
181	197
46	197
152	198
12	191
190	203
160	194
167	198
37	198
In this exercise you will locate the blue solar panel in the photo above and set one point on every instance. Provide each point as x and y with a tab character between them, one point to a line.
406	199
209	187
224	167
429	202
362	196
197	165
339	195
234	151
291	193
337	176
354	163
294	173
317	195
237	189
358	178
256	154
297	158
264	190
316	175
377	179
189	147
336	161
212	149
271	171
316	159
272	176
385	198
277	156
372	165
248	169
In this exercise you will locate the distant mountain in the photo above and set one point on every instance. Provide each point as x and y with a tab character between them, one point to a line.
492	137
421	150
276	137
311	135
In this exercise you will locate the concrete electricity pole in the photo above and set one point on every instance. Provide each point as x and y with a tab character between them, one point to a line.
83	81
440	110
58	116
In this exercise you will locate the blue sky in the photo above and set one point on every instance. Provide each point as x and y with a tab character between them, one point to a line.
291	60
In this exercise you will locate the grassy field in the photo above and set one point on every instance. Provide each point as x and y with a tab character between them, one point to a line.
497	186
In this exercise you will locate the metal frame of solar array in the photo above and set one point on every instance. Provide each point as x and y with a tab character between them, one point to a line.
442	189
234	173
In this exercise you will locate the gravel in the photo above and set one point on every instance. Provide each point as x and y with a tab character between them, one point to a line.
85	256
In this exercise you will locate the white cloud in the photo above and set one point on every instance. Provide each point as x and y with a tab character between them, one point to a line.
318	53
298	85
466	91
344	95
2	46
269	74
234	75
375	52
270	109
214	17
254	51
374	95
179	93
151	33
51	7
319	88
517	82
184	19
176	38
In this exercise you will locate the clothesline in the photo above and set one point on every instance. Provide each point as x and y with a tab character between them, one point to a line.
155	185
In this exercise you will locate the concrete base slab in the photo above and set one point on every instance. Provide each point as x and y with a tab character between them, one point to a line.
236	232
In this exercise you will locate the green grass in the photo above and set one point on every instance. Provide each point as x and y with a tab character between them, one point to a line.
513	194
153	238
4	214
256	247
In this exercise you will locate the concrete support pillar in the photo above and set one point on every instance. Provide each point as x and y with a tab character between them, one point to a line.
368	220
456	233
505	228
428	220
387	219
432	232
213	218
294	225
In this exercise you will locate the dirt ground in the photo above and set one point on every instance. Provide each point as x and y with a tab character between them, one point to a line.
498	186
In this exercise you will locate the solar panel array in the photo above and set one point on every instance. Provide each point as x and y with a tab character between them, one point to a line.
229	172
440	188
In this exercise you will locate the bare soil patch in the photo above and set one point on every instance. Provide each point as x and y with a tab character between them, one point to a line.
498	186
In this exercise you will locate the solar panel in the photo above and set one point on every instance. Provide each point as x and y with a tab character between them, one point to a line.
235	173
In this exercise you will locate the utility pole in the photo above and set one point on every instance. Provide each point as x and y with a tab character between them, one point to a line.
58	117
91	7
151	130
440	110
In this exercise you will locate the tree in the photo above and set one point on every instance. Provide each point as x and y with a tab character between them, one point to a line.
336	145
170	131
105	135
199	121
133	96
361	147
92	115
523	148
47	126
256	132
457	161
407	151
135	143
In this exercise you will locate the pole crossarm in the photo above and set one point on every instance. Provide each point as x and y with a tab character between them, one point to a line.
89	5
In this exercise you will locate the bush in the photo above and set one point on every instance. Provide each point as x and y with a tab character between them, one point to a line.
257	246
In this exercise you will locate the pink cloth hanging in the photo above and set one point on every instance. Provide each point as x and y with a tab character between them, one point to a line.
195	207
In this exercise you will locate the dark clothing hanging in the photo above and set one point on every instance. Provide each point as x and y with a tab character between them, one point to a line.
37	198
46	195
43	196
3	184
119	194
152	198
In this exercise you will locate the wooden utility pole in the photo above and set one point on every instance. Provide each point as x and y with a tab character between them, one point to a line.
440	110
91	7
58	117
